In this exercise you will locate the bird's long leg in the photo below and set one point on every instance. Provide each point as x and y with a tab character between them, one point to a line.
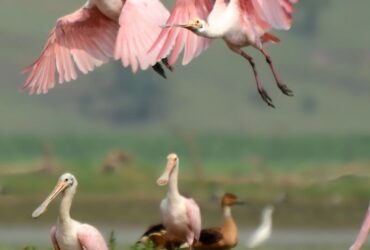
260	87
284	88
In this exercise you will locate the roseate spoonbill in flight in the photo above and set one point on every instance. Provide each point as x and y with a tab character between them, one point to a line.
223	237
361	238
180	215
263	232
88	37
69	234
239	23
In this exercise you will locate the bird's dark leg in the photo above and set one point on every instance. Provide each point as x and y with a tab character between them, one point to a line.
284	88
260	87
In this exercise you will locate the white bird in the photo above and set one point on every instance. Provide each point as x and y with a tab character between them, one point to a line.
180	215
240	23
69	234
263	232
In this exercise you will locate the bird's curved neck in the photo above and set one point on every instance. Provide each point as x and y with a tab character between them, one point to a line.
209	32
65	207
173	189
266	220
227	212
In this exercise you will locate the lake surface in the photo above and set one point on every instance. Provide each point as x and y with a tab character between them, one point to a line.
17	237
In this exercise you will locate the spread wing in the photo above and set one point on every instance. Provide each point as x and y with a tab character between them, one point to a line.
260	16
361	238
178	39
85	38
210	236
193	212
140	22
90	238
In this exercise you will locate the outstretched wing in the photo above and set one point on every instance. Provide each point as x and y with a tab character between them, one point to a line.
361	238
177	39
85	38
140	22
90	238
260	16
193	213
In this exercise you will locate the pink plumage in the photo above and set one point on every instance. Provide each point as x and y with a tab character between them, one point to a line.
361	238
90	36
193	212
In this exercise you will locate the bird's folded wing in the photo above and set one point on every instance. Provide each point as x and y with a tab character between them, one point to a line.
193	213
361	238
210	236
90	238
177	39
85	38
140	22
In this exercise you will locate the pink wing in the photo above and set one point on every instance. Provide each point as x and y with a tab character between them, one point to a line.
53	238
177	39
361	238
86	35
193	212
90	238
260	16
140	22
278	13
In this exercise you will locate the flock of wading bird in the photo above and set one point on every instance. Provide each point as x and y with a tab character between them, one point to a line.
180	227
143	34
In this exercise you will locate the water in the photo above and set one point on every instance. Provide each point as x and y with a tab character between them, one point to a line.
17	237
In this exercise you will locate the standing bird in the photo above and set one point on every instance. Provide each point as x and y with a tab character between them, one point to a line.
69	234
88	37
263	232
224	237
361	238
240	23
180	215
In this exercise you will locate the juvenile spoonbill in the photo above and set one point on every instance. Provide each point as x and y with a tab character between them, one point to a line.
69	234
180	215
240	23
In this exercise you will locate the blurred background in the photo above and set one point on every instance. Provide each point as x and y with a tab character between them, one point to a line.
310	156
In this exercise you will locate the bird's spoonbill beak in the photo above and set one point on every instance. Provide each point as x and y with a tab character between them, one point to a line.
61	185
169	26
163	179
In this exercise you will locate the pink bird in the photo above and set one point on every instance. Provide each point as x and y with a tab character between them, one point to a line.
239	23
69	234
180	215
88	37
361	238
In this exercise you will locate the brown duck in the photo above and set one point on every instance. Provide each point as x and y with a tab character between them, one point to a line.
225	236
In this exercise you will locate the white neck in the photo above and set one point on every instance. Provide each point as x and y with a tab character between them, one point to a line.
227	212
65	207
173	189
208	32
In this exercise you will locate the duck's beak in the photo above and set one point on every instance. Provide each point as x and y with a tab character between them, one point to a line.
163	179
61	185
240	203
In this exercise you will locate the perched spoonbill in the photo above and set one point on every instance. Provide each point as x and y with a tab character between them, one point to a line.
361	238
180	215
88	37
263	232
223	237
69	234
239	23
